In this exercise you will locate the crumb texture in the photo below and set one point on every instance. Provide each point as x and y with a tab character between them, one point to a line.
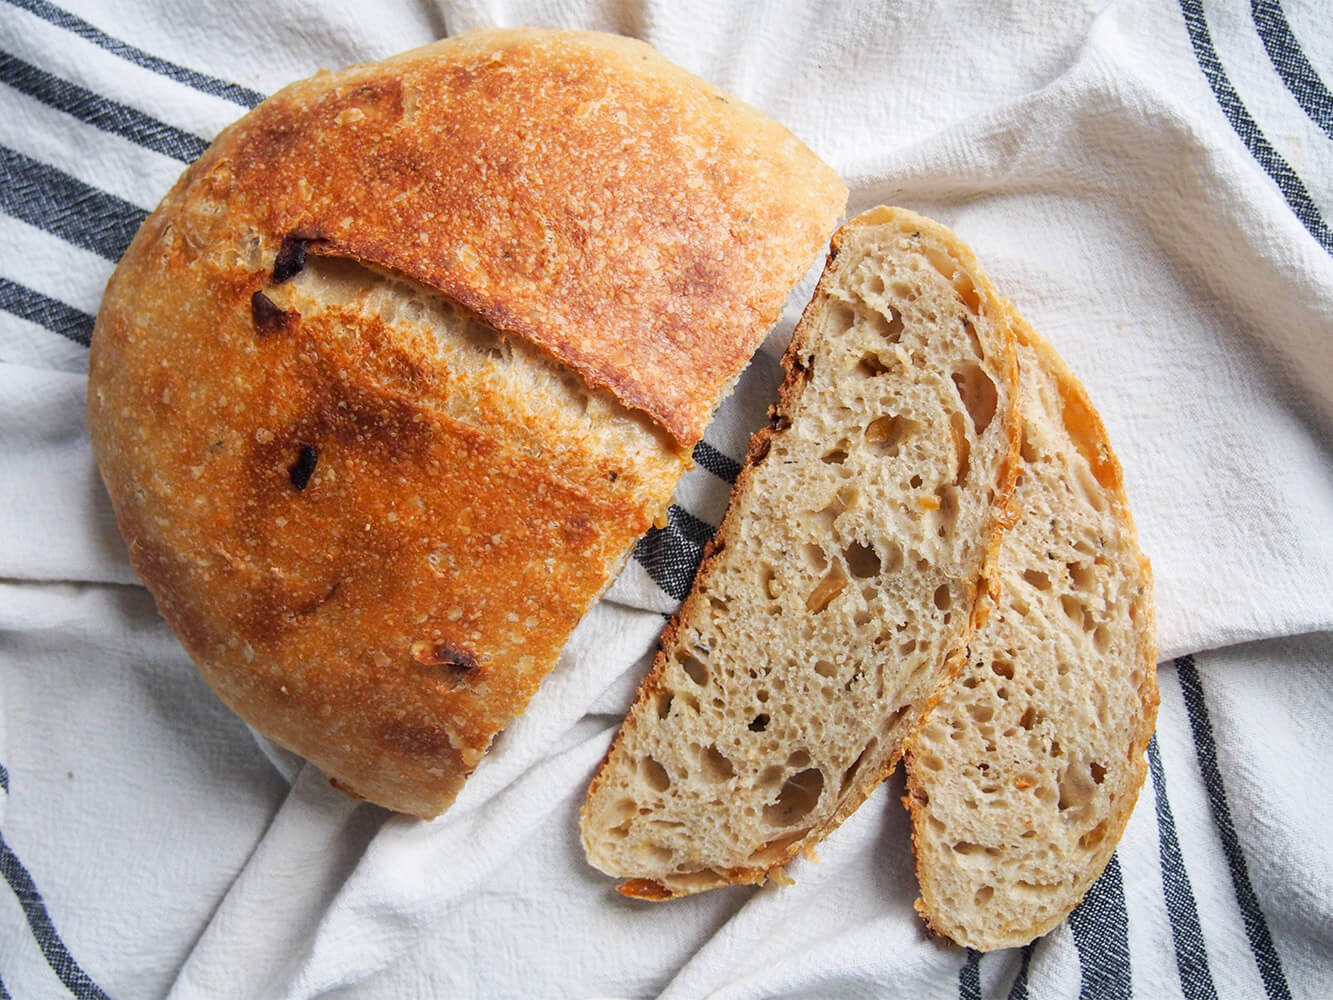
1023	778
841	586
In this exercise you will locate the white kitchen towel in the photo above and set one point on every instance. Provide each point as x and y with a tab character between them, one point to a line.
1151	182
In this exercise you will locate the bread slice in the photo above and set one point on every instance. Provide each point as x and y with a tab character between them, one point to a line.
1023	778
833	605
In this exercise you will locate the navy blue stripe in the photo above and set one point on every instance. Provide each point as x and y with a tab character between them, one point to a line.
1205	748
202	82
1287	58
100	112
4	993
1019	991
969	977
1196	980
50	199
1100	926
57	955
723	466
671	555
4	779
1293	190
37	308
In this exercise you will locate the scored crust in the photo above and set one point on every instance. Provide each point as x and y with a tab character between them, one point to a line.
1021	782
572	188
833	604
387	387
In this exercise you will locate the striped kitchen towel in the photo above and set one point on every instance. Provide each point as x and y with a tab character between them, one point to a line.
1151	181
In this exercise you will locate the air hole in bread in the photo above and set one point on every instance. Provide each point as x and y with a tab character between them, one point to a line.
655	854
654	775
663	704
836	456
800	793
1027	449
862	560
886	434
694	669
1002	668
815	557
759	723
771	776
981	712
978	394
1030	718
1076	787
962	447
943	599
798	758
967	291
1094	836
1072	607
1098	773
947	513
768	581
1101	640
889	325
872	365
715	765
841	317
849	775
973	339
828	514
1083	576
826	591
1037	579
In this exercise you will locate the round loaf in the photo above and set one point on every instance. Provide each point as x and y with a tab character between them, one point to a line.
385	389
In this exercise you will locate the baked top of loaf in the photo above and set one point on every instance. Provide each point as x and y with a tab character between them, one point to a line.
836	599
1024	777
571	188
372	517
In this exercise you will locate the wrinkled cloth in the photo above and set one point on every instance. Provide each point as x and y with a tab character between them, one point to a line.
1151	183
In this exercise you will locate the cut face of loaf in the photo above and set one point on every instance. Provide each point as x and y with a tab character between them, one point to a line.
1023	778
835	601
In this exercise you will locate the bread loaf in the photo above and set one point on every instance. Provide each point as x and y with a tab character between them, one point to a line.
837	598
1023	778
388	385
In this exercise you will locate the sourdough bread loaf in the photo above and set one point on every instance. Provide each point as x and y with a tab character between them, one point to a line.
388	385
837	598
1024	777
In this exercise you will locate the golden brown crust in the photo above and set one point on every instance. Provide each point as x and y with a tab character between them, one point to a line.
366	574
571	188
1089	435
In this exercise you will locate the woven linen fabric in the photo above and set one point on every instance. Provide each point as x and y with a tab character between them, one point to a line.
1150	181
